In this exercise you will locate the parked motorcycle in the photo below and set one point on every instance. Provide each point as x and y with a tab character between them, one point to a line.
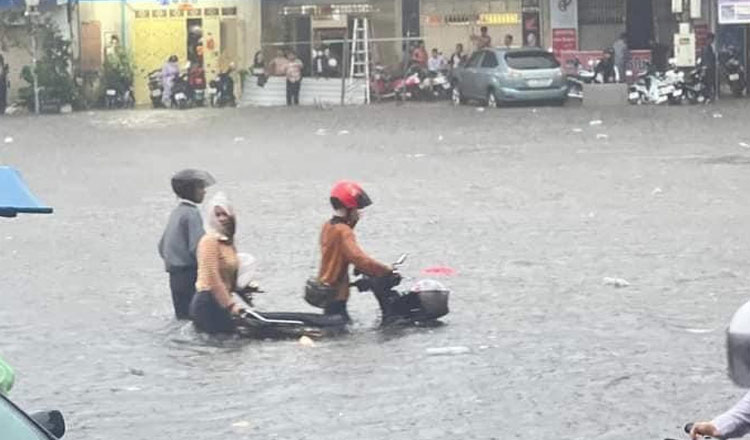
652	87
410	86
155	88
579	77
695	88
382	84
197	83
181	92
222	91
118	97
435	85
734	71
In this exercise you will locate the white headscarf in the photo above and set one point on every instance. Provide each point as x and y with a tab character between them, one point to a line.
211	222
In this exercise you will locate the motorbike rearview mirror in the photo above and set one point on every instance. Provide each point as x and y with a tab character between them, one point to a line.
591	62
52	421
401	260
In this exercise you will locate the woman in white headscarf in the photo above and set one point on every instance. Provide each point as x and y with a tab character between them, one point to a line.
212	307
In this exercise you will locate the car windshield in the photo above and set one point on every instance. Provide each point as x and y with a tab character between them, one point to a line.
531	60
14	425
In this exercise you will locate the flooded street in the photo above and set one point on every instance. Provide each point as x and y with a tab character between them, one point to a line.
545	213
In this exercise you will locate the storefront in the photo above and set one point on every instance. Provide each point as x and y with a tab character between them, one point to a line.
212	32
446	23
309	25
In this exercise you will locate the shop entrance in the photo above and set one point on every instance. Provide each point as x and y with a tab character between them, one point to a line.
640	23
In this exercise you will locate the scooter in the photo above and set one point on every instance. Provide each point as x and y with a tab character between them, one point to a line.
115	98
578	78
222	91
435	85
155	88
695	87
197	83
734	71
181	92
423	304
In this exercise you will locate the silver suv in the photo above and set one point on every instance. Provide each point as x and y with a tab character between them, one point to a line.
495	76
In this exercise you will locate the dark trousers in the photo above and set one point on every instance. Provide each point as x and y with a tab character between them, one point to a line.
292	92
711	82
182	284
209	316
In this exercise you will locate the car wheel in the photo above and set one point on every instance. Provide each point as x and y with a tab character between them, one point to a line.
491	99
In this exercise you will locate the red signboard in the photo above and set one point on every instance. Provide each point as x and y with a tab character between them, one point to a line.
637	63
564	40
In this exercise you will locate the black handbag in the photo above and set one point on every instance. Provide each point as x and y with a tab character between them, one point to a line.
319	294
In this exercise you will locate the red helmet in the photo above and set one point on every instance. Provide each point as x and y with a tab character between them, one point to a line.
348	194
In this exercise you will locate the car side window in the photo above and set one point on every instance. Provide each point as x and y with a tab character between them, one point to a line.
489	60
474	60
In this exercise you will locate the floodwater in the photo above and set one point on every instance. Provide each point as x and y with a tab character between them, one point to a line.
533	208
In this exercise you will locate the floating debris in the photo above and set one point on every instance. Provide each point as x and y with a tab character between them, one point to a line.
616	282
448	351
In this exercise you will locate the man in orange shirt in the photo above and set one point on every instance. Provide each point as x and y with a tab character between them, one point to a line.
339	248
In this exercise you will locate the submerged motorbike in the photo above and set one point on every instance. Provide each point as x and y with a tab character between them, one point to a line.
423	304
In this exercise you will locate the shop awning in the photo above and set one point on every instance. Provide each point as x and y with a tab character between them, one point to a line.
15	196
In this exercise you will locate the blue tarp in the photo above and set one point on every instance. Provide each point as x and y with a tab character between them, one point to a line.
15	196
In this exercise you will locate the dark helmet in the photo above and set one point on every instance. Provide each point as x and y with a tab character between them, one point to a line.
186	181
349	195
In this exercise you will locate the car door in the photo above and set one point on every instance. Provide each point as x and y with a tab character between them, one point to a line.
485	73
468	82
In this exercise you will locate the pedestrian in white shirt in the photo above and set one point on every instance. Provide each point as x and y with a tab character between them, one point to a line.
436	62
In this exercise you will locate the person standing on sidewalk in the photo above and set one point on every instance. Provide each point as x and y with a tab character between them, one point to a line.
483	40
293	78
708	60
622	54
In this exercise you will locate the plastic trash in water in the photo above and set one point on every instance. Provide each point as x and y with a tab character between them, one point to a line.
480	109
416	155
699	331
343	132
596	122
239	139
602	136
241	424
8	139
717	115
448	351
439	270
744	145
306	341
616	282
577	130
321	132
440	138
656	191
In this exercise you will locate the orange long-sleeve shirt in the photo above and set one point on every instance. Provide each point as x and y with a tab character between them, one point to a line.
217	268
339	249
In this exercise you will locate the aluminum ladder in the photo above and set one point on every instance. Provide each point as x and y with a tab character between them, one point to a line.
359	67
